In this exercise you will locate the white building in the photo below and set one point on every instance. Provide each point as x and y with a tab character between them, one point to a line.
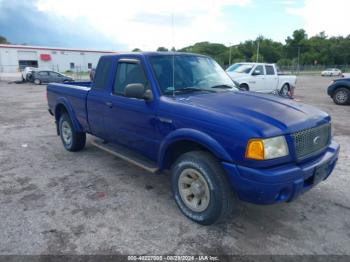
13	58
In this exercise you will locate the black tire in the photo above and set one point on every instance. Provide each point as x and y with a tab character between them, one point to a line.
219	205
244	87
284	92
341	96
77	139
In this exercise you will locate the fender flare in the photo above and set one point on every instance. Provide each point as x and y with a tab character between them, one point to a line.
187	134
65	103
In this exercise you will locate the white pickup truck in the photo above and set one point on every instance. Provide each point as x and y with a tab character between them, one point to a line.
261	77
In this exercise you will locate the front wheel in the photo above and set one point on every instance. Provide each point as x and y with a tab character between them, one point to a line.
72	140
341	96
200	188
244	87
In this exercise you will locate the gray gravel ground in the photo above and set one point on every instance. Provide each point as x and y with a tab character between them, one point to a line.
56	202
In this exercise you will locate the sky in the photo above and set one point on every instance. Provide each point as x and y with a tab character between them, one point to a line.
125	25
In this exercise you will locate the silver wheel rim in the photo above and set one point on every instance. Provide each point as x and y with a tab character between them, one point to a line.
285	90
194	190
37	81
66	133
341	96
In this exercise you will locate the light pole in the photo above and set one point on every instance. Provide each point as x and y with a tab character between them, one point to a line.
298	68
229	59
257	52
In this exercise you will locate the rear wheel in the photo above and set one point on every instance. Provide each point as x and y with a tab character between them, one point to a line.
285	90
37	81
200	188
341	96
72	140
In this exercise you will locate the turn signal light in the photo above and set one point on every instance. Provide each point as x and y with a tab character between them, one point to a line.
255	149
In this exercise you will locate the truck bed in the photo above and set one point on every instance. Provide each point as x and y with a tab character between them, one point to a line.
73	95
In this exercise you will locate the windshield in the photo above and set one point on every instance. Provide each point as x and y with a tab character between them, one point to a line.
192	73
240	68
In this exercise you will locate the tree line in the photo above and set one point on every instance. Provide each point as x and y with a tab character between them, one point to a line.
297	49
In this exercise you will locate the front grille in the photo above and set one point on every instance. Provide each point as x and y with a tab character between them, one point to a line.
309	141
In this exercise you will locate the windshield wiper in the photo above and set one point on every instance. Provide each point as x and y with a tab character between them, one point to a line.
222	86
187	90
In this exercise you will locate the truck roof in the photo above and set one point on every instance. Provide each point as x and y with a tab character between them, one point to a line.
154	53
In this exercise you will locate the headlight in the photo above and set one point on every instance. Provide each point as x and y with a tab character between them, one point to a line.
270	148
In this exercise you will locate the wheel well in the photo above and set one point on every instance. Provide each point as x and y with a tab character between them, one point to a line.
60	109
178	148
338	87
245	85
287	84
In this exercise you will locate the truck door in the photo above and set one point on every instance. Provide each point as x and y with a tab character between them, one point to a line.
257	80
130	121
96	100
271	79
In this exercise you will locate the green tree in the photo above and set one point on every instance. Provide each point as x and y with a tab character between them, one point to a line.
162	49
3	40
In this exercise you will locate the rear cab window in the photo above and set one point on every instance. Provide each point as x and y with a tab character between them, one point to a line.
269	70
103	73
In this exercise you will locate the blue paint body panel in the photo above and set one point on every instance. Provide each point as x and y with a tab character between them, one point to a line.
220	122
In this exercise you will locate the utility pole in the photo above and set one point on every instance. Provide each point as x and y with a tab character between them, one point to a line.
229	59
298	68
257	52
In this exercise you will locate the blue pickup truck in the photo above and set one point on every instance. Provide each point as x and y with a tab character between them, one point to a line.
182	112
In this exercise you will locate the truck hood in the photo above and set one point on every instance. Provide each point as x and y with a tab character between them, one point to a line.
267	115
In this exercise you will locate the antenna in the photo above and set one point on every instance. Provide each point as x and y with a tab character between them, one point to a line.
173	51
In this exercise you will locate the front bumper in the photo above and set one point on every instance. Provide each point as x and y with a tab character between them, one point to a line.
282	183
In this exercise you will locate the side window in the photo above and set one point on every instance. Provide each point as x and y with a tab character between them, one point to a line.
128	73
260	69
54	74
270	70
102	73
43	73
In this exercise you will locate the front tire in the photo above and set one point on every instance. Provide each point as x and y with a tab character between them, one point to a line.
200	188
71	139
244	87
341	96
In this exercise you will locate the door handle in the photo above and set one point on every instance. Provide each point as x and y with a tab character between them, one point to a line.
109	104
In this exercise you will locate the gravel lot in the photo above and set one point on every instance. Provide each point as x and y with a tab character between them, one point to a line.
56	202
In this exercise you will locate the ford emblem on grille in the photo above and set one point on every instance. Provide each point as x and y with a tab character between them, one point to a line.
317	140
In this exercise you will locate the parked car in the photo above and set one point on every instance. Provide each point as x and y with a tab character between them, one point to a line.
331	72
27	73
339	91
261	77
182	112
47	76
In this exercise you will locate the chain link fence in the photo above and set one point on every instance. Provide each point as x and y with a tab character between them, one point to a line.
13	72
311	69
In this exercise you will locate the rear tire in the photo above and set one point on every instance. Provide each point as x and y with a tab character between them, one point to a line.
37	81
284	92
341	96
72	140
200	188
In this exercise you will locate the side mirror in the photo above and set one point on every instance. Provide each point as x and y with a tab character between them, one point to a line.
256	73
138	91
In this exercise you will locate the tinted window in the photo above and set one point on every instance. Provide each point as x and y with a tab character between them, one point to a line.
54	74
269	70
260	69
128	73
102	73
43	73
